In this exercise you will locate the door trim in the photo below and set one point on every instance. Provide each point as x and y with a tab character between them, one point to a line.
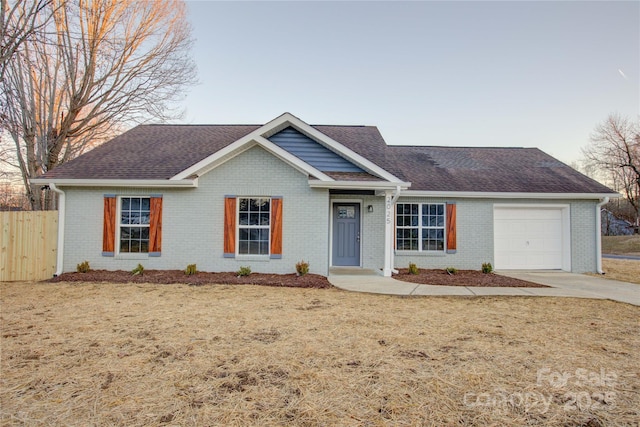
331	207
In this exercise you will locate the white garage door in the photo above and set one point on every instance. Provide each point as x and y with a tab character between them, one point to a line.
528	238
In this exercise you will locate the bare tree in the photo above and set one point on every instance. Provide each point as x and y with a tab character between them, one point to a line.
18	21
110	64
615	150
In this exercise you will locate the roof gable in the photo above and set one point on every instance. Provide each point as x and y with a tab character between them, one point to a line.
287	120
312	152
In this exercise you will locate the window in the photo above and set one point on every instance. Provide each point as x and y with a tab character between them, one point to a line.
252	226
137	230
135	218
420	227
254	220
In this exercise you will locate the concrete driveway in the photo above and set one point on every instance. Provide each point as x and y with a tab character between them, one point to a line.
561	284
597	287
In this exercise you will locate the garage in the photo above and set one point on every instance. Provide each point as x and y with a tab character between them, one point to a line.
532	237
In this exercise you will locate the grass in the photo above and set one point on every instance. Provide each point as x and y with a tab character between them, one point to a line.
141	354
621	245
621	269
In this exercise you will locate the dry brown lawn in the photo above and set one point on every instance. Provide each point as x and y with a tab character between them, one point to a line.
621	269
143	354
623	245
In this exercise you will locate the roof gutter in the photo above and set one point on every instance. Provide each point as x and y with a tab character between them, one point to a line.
508	195
154	183
61	217
603	202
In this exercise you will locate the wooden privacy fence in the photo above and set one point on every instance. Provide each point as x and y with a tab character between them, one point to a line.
28	246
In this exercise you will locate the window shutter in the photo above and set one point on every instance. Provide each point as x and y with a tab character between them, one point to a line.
229	227
109	225
451	228
276	227
155	225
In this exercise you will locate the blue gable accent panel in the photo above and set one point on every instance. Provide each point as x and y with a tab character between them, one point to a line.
311	152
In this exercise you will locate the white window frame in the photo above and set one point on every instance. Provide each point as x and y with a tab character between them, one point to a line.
421	227
120	225
252	227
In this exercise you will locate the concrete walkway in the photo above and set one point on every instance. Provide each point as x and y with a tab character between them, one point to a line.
561	284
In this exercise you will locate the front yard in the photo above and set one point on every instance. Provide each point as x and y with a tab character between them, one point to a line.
626	270
141	354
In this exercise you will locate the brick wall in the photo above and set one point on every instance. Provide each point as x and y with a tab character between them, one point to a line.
193	224
475	234
192	230
583	236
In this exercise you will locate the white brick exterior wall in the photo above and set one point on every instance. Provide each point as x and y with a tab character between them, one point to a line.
583	236
475	234
192	224
192	220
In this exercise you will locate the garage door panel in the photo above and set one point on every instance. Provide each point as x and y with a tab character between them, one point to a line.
552	245
553	260
528	238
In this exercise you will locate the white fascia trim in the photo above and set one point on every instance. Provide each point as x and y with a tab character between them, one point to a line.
225	155
156	183
248	141
358	185
294	161
261	134
501	195
219	157
339	148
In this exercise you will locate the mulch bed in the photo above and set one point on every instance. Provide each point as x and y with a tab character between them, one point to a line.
463	278
200	278
425	277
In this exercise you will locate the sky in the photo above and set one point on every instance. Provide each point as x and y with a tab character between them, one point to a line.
503	74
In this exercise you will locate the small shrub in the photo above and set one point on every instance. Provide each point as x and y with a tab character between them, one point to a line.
451	270
244	271
413	268
83	267
190	270
487	268
138	270
302	268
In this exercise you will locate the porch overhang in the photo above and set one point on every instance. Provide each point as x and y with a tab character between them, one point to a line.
359	185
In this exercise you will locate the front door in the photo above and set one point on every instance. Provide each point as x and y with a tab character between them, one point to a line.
346	234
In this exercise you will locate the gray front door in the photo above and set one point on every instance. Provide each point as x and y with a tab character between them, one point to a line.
346	234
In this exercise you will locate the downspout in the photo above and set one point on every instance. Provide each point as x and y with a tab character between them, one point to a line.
61	216
396	196
603	202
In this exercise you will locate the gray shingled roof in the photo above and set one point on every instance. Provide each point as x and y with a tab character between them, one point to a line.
521	170
162	151
151	152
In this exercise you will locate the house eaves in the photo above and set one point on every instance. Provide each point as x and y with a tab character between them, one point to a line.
260	136
242	145
146	183
508	195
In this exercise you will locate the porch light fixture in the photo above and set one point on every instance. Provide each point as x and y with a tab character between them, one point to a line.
370	208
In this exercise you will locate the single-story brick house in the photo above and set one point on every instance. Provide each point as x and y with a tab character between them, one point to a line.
268	196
